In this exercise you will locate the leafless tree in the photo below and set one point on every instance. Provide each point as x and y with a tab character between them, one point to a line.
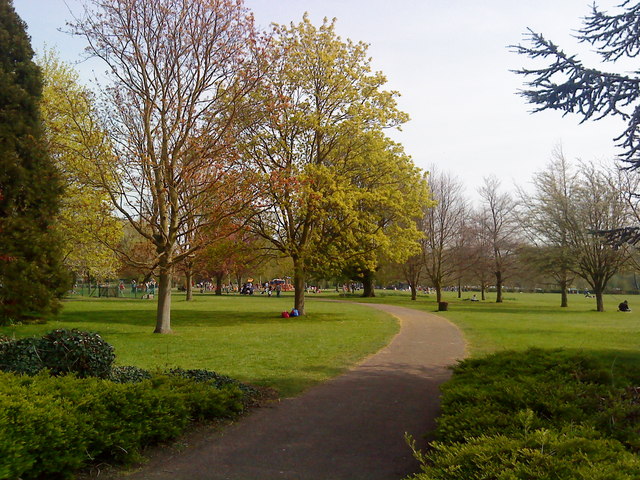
177	71
598	204
499	230
545	216
442	228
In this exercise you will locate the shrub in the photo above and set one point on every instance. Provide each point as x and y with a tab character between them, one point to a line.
21	356
220	381
73	351
534	414
128	374
540	454
51	426
61	351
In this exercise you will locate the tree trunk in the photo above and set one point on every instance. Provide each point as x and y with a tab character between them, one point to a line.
459	289
599	301
483	295
163	314
298	285
438	293
563	291
498	287
367	284
188	275
219	277
414	291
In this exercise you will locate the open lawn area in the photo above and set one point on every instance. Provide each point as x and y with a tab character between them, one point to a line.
243	337
526	320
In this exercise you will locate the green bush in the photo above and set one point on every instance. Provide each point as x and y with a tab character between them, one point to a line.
542	454
128	374
533	415
220	381
21	356
51	426
84	354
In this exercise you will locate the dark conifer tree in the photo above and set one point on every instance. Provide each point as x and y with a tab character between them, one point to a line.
32	277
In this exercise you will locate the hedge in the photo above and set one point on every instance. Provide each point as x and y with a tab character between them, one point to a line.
52	426
533	415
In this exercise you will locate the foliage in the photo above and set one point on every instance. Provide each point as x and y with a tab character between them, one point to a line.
78	144
324	110
540	454
62	423
178	71
32	277
566	84
128	374
534	414
21	356
216	379
85	354
61	352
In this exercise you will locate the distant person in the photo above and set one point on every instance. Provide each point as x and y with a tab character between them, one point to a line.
624	307
474	298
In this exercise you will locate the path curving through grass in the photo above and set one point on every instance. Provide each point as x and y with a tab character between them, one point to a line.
349	428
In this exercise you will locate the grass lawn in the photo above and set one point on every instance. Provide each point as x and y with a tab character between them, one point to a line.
243	337
526	320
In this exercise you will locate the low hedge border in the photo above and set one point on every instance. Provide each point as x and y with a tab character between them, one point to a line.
532	415
63	404
52	426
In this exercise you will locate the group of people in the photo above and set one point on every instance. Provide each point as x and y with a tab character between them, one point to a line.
149	288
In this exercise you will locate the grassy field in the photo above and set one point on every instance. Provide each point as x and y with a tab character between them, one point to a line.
243	337
526	320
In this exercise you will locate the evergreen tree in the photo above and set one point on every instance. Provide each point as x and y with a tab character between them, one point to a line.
31	274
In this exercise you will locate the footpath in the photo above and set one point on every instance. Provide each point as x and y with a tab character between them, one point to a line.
349	428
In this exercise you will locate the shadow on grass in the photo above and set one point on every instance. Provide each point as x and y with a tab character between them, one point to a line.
200	318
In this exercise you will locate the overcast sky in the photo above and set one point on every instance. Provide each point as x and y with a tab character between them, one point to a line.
450	61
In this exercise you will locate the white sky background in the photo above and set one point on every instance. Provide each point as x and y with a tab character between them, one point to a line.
449	60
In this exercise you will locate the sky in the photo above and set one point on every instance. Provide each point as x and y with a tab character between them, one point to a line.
450	61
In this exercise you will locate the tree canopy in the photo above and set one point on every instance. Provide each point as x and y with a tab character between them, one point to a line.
178	69
32	276
320	130
77	144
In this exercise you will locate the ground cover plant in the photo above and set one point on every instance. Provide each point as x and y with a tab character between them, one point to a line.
536	414
243	337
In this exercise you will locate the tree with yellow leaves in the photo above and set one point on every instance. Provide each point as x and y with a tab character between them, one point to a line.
76	143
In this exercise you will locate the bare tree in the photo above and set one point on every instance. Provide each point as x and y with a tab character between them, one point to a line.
545	216
499	229
442	228
178	69
599	205
476	256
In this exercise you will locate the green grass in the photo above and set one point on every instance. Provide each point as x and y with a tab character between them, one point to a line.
527	320
243	337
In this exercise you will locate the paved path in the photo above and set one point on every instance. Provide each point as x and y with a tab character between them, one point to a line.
349	428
